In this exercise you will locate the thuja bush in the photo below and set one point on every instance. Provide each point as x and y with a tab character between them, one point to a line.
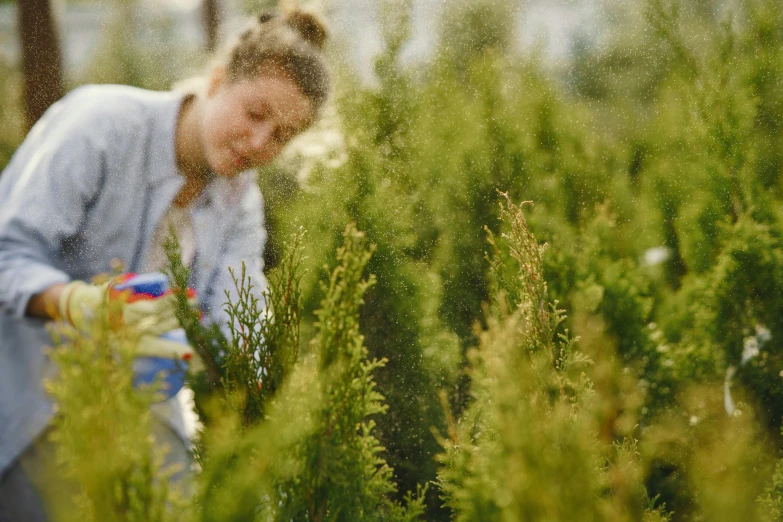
249	358
106	464
528	447
264	331
734	311
616	295
400	321
703	174
305	450
552	431
379	187
314	455
345	476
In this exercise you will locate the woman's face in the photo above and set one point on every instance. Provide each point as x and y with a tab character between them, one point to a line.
247	122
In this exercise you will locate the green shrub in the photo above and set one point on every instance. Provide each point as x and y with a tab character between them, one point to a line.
527	447
109	466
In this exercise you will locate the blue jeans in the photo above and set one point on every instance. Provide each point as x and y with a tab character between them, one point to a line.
32	489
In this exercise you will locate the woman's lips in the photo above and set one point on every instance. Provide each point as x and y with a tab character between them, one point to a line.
238	159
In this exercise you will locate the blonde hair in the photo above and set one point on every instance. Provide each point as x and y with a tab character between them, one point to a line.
292	41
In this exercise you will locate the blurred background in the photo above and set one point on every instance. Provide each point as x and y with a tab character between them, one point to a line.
559	27
154	43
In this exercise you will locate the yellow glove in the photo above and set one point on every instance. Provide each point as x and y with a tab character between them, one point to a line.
153	319
80	302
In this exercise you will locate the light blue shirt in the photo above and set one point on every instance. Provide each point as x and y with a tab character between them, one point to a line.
89	185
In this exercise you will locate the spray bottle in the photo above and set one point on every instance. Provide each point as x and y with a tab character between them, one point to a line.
146	368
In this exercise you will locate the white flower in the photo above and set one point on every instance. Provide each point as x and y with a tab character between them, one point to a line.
656	255
763	335
750	349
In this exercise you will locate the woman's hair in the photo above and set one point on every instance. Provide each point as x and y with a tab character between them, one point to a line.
292	41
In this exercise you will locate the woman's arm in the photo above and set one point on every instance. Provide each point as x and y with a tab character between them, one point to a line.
44	194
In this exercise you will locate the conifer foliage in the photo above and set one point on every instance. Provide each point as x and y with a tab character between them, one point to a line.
284	437
106	463
345	476
527	447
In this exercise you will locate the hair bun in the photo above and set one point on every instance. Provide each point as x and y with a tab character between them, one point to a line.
309	26
265	17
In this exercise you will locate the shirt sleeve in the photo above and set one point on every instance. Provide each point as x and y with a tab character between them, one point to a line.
244	243
44	194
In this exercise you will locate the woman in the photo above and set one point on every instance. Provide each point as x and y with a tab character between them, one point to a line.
102	176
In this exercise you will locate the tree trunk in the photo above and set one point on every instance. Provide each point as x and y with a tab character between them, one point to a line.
211	23
41	60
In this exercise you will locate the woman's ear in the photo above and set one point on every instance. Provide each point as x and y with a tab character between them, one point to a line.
215	81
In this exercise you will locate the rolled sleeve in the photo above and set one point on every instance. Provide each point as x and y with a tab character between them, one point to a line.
33	280
44	195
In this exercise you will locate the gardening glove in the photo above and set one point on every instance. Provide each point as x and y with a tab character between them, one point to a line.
169	348
80	302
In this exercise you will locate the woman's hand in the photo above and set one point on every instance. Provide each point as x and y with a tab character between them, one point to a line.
79	304
45	304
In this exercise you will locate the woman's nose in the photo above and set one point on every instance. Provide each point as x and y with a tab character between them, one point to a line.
260	136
